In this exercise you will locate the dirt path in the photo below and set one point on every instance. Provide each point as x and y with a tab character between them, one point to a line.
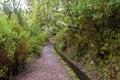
48	67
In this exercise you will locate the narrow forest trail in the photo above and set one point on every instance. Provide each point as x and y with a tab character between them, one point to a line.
48	67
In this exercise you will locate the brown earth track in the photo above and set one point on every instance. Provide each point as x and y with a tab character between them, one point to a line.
48	67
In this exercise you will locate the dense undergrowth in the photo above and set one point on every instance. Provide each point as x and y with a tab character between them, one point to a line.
94	39
17	44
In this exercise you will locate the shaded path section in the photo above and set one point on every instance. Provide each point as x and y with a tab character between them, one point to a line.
48	67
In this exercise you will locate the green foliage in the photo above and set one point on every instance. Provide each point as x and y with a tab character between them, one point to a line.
61	33
59	36
89	30
94	37
22	35
16	44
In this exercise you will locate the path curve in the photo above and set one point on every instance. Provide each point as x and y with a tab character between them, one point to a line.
48	67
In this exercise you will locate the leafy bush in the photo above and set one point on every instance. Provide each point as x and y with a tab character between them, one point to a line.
59	37
16	44
97	37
